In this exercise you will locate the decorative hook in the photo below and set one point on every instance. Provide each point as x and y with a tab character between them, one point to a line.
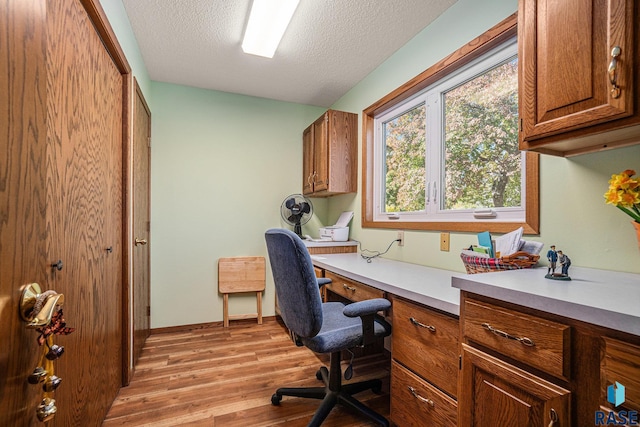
43	312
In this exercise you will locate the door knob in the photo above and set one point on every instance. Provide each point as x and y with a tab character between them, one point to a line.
140	241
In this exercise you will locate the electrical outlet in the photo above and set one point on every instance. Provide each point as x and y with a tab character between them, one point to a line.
444	242
400	238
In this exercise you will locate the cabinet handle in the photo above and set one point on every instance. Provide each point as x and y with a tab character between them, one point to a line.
554	417
348	288
422	325
613	68
420	398
428	192
523	340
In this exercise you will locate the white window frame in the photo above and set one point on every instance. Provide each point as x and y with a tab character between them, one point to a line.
432	97
499	41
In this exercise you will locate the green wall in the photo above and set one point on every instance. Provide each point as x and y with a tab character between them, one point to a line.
223	163
221	166
573	215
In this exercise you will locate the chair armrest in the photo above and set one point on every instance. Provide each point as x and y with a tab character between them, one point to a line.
370	306
367	310
322	281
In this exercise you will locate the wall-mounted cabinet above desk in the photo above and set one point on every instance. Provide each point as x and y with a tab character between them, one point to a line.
330	152
579	76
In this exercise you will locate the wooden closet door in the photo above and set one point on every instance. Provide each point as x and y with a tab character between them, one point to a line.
22	198
141	222
85	210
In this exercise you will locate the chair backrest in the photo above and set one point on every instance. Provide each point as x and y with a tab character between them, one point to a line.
296	284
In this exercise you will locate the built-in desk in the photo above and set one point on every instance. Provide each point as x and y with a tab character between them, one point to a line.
425	339
534	349
554	349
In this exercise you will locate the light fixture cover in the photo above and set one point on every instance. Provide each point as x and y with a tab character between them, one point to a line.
268	21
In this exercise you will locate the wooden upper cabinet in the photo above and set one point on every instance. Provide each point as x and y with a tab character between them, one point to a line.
329	155
575	97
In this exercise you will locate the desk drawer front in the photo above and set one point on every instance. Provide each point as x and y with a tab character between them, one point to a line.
537	342
621	363
427	343
414	402
351	290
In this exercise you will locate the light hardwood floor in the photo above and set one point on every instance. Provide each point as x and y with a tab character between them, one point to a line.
224	377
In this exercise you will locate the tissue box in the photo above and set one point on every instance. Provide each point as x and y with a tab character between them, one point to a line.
337	234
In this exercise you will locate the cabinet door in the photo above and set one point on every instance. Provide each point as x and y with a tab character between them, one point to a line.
565	52
495	393
321	153
307	160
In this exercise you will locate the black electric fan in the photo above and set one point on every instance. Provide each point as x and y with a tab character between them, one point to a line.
296	210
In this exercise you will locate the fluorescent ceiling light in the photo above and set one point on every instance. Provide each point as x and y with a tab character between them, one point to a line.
267	22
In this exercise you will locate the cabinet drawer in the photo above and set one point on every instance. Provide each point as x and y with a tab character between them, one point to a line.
427	343
414	402
353	291
537	342
621	364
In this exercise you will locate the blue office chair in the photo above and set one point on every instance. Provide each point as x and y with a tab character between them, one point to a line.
322	327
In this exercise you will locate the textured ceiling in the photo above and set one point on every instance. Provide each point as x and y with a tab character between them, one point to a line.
328	48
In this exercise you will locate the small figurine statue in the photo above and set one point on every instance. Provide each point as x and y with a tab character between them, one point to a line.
564	261
552	257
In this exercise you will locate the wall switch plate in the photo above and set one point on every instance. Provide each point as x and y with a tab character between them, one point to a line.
444	242
400	238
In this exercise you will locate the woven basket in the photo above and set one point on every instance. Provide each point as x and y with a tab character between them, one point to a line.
514	261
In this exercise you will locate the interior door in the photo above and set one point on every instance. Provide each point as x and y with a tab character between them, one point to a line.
22	197
85	214
61	198
141	222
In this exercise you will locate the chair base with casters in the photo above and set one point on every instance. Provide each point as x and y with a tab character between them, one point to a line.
334	393
327	328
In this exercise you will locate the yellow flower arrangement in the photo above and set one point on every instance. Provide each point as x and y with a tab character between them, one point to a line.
624	193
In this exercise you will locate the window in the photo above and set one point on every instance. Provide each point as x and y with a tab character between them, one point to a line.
443	154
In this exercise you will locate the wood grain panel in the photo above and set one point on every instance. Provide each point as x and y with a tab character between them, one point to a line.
551	347
416	403
495	393
621	363
85	209
353	291
22	198
332	249
432	354
565	91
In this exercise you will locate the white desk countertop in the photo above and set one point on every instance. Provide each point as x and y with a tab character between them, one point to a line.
425	285
606	298
600	297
